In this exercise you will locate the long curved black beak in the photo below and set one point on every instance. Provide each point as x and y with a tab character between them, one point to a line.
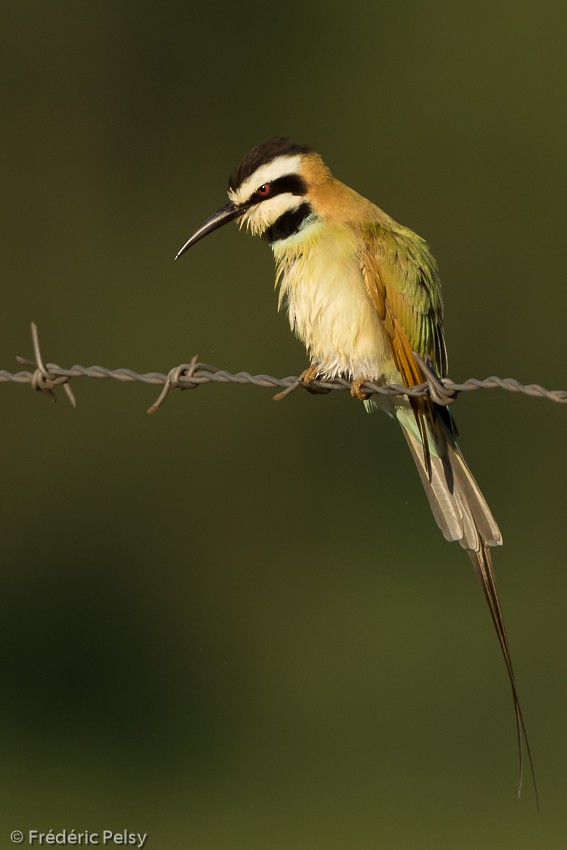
217	219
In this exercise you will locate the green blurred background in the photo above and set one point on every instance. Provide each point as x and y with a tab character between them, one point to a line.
234	624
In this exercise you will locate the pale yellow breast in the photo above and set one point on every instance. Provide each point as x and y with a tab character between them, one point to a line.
328	306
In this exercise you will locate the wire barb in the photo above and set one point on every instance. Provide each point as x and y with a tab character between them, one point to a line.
179	377
439	392
43	379
47	376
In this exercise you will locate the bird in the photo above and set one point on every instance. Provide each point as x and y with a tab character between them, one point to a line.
363	294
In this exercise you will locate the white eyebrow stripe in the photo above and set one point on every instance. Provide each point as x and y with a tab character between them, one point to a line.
278	167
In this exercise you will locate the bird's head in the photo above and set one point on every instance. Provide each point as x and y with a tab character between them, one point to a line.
269	192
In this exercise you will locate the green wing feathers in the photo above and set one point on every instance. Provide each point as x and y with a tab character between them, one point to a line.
402	281
401	278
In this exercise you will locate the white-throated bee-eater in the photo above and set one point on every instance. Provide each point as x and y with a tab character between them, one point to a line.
363	294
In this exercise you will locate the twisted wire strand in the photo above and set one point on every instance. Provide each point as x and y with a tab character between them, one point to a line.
47	376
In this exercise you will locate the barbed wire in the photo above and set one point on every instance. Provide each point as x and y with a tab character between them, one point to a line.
45	377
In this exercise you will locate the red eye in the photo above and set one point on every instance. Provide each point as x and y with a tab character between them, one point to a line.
264	190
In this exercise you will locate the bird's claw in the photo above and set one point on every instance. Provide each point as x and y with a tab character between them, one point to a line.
355	390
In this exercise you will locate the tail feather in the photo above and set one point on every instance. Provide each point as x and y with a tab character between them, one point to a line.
455	498
462	514
482	563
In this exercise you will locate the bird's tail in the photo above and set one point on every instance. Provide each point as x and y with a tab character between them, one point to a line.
462	514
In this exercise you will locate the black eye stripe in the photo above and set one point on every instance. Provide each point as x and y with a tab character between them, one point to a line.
292	183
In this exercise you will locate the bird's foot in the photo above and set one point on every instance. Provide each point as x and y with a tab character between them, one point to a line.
308	376
305	379
355	390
